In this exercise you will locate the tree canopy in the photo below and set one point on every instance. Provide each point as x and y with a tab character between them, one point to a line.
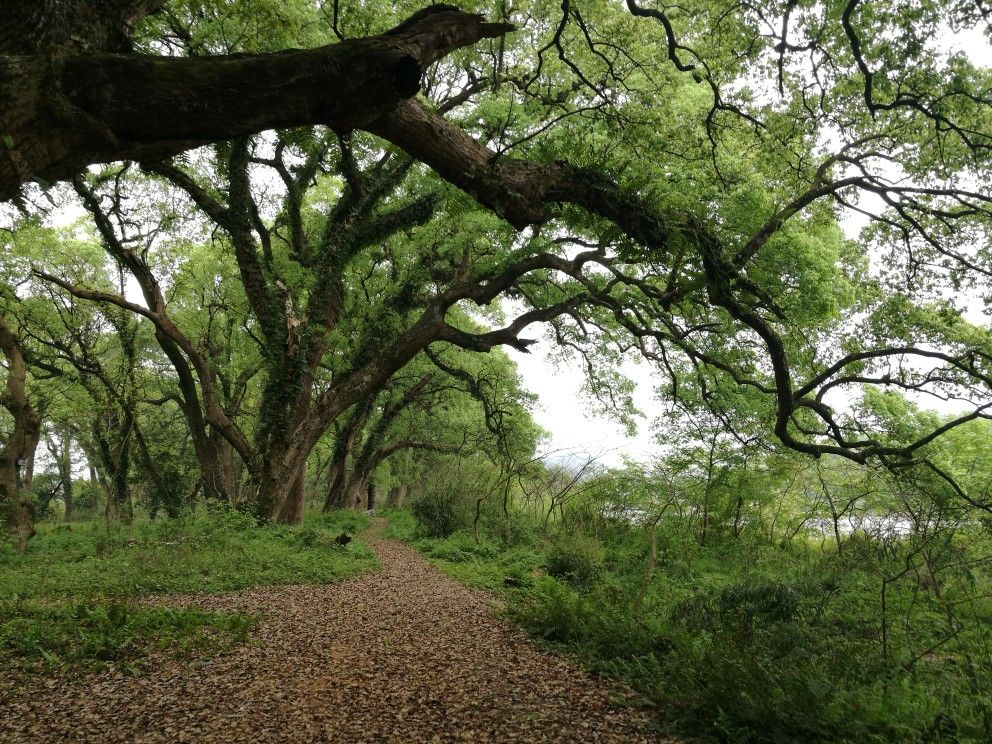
676	182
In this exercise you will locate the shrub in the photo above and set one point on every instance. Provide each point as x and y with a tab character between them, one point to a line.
342	520
400	524
441	513
576	558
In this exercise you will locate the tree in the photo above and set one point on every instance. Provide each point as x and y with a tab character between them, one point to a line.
672	209
383	425
73	95
58	442
20	439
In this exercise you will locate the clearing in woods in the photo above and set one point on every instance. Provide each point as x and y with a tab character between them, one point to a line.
404	654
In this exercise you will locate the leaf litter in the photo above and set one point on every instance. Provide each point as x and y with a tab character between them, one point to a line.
404	654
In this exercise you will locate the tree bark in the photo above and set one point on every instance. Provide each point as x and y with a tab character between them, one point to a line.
164	496
16	501
37	26
67	492
355	492
335	498
114	443
59	446
293	506
61	110
344	444
94	483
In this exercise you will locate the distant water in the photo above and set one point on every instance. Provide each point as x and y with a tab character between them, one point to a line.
889	525
881	525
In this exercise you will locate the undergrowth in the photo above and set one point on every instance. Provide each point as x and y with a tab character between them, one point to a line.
739	640
91	635
70	599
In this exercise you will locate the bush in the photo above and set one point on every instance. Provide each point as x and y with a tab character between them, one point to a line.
341	520
400	524
772	601
607	633
576	558
442	513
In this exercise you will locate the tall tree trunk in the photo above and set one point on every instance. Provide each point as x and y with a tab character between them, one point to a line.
335	496
355	492
217	466
164	496
94	481
114	444
27	476
344	443
397	495
67	495
16	501
60	447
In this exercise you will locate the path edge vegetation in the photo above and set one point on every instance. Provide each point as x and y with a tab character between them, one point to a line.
714	653
86	596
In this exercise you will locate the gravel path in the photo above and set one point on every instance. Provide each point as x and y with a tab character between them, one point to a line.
404	654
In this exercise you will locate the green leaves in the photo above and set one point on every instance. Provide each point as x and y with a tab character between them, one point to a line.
92	635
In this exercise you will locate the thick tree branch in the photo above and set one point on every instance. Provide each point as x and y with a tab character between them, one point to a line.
58	117
522	192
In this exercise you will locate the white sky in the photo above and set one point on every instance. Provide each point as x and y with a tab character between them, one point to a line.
567	416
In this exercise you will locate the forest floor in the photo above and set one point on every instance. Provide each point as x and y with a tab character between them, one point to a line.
404	654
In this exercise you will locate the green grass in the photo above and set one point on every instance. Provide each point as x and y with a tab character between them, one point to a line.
485	565
192	554
69	600
91	635
740	640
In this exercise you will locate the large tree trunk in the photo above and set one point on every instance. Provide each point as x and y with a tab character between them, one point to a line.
62	109
113	439
37	26
344	444
372	496
16	501
347	490
292	508
355	491
335	498
216	458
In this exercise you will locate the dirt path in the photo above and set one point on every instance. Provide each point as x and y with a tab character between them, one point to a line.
404	654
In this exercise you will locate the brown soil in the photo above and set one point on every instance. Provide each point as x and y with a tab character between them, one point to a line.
404	654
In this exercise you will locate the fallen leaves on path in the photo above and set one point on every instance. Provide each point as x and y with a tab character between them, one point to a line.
404	654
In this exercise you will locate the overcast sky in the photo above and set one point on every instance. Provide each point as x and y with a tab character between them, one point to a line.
567	415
